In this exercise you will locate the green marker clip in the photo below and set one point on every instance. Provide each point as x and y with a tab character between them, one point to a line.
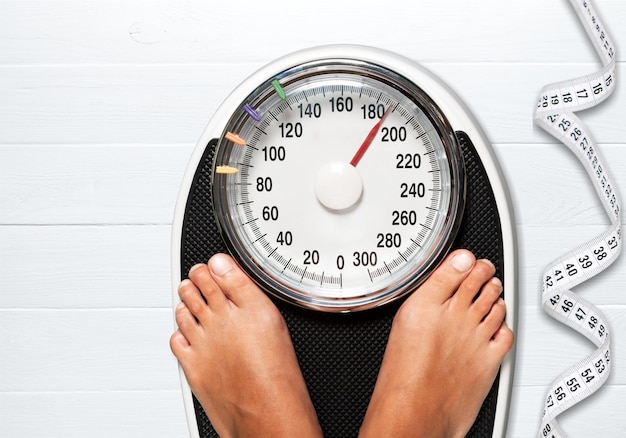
279	89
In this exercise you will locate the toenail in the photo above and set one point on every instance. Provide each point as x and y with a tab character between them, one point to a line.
180	306
183	284
488	262
496	281
194	267
462	261
221	265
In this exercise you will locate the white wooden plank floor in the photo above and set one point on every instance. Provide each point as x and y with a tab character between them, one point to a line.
100	106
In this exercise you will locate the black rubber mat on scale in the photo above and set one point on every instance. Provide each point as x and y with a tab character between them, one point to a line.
340	354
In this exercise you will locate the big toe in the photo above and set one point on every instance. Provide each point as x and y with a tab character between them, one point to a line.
235	284
447	277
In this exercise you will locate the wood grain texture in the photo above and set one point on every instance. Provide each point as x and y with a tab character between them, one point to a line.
159	31
101	104
89	104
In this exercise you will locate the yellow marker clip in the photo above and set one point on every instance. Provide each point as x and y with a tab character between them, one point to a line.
231	136
226	170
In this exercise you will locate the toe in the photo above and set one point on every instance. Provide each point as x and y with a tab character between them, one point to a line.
489	294
494	319
503	338
482	272
188	327
446	279
179	344
213	295
190	295
237	286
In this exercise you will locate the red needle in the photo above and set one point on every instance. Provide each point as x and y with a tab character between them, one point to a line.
368	140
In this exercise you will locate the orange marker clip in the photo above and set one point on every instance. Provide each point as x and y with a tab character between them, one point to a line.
231	136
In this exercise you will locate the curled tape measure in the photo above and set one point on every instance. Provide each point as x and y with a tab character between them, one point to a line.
555	114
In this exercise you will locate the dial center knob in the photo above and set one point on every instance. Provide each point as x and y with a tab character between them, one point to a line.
338	185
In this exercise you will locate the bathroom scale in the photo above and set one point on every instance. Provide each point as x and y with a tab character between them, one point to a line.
338	177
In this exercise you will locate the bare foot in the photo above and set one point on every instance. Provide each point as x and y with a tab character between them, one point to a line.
443	354
237	355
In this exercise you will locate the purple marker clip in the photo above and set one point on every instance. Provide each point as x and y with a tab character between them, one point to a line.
252	112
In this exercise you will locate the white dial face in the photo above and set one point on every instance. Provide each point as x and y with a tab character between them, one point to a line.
335	189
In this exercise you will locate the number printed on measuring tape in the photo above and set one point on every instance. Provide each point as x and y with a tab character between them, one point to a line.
555	113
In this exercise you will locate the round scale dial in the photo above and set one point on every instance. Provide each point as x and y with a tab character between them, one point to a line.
338	184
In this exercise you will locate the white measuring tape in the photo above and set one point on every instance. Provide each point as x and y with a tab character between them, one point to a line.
555	114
